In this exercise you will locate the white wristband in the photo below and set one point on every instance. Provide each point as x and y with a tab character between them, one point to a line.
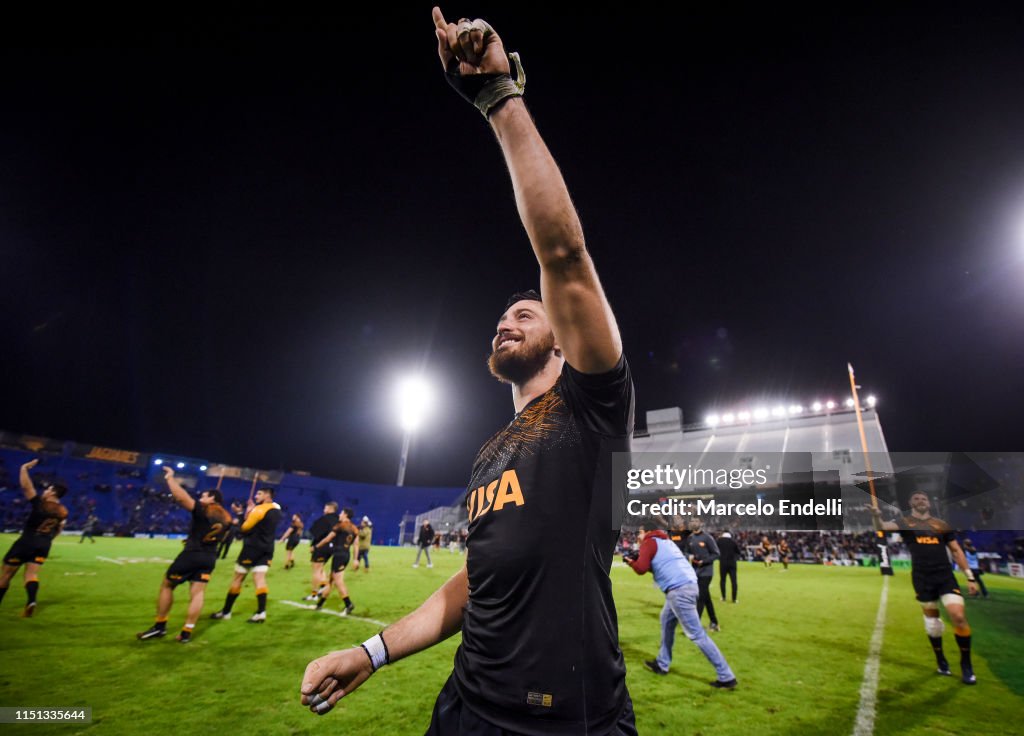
377	651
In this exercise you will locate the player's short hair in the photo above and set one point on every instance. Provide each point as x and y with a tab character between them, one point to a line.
348	512
920	493
331	505
267	489
530	295
218	498
59	489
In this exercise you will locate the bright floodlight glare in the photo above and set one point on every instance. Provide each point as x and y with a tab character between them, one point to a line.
779	411
743	416
872	401
849	403
181	465
711	420
414	398
816	406
202	467
760	413
728	418
796	409
830	405
158	461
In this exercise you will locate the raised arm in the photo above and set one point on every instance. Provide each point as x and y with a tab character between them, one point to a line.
335	675
25	480
580	316
882	526
183	497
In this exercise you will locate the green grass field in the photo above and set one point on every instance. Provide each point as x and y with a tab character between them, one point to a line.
797	642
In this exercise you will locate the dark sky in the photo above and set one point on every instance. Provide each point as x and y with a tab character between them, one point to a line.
225	238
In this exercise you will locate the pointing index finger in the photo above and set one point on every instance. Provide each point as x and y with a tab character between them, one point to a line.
438	16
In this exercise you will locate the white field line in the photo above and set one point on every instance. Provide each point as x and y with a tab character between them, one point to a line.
108	559
865	723
311	607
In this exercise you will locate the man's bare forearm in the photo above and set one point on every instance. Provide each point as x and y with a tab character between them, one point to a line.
438	618
542	197
25	480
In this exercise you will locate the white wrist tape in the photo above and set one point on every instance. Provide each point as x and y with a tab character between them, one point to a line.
377	651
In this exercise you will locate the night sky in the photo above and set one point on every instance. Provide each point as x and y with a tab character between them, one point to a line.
226	238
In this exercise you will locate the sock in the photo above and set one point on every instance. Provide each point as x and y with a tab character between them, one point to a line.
161	623
32	588
964	642
940	658
230	600
2	592
261	600
347	602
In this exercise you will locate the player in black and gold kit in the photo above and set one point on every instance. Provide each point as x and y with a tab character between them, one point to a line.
784	554
44	523
259	531
320	554
767	550
210	522
293	536
928	540
540	651
341	536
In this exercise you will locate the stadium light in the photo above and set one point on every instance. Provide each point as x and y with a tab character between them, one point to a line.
413	398
849	403
796	409
728	418
830	405
816	406
203	468
743	416
180	465
711	420
872	401
158	461
779	411
760	414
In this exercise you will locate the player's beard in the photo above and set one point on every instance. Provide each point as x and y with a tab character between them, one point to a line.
519	366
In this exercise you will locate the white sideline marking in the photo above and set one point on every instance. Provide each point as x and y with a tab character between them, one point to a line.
311	607
109	559
132	560
865	723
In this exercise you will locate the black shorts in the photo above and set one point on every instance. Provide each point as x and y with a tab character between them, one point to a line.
322	554
195	567
291	543
931	586
255	557
341	560
451	716
29	548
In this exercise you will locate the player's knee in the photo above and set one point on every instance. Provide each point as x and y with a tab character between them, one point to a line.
934	626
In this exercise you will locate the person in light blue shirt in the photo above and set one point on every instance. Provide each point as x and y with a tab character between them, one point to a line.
674	574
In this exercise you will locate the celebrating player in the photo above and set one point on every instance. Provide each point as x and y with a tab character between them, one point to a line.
540	651
44	523
210	522
293	537
341	537
258	535
319	555
928	540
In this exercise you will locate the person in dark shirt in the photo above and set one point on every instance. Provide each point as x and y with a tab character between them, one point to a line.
703	551
292	536
784	553
232	533
195	563
45	521
423	542
540	651
928	540
729	553
259	531
89	528
318	554
342	536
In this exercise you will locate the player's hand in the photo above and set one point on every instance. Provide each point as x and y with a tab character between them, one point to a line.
473	43
333	676
168	472
30	464
972	588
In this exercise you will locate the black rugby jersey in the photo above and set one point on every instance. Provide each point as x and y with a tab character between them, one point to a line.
210	524
45	518
540	650
259	530
345	533
322	527
927	541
